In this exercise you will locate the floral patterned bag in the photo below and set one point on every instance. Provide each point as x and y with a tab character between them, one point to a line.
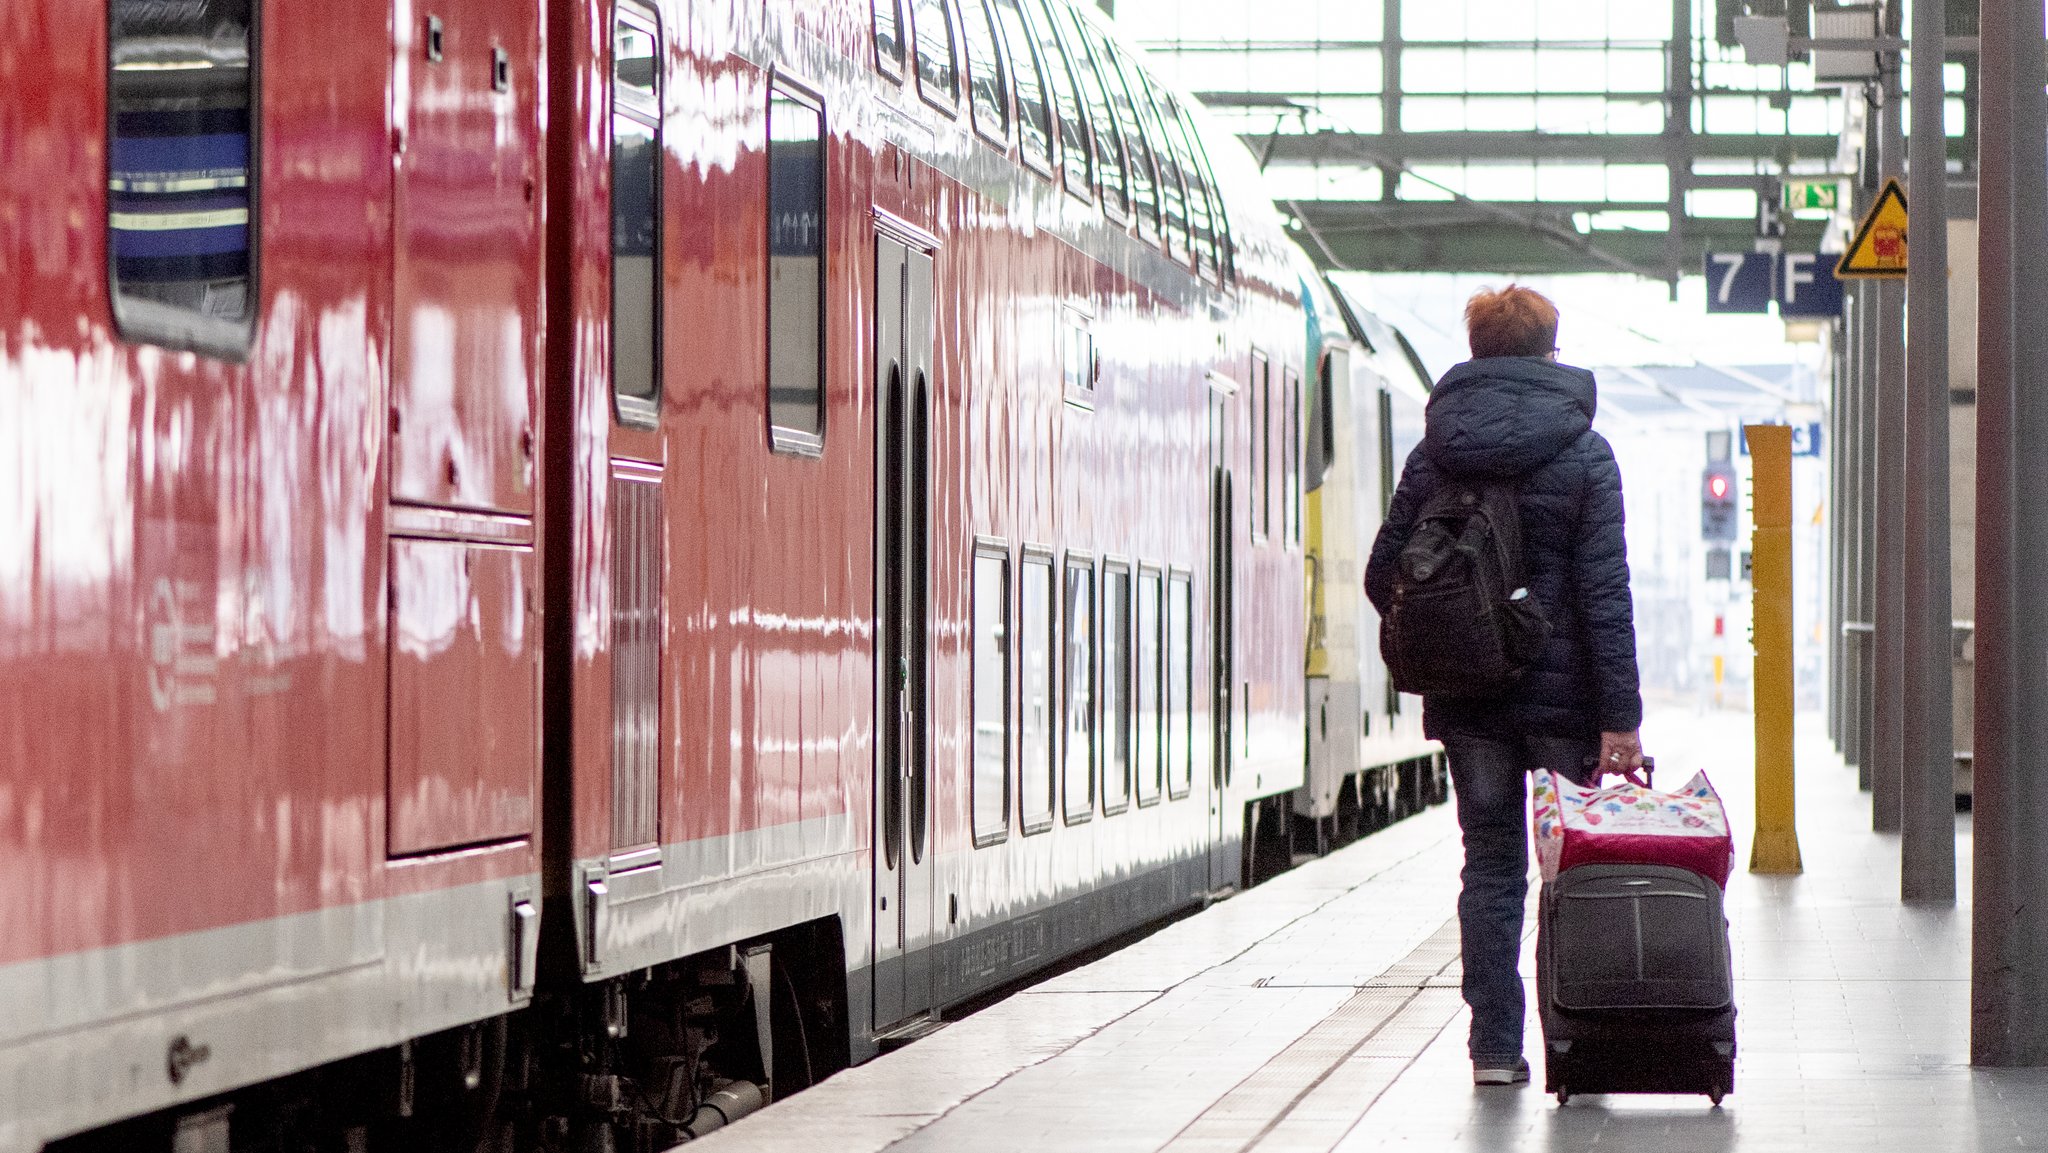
1630	824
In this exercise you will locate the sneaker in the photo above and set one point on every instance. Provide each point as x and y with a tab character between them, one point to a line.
1493	1072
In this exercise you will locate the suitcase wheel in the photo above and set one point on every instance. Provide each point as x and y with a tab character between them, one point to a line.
1715	1094
1564	1097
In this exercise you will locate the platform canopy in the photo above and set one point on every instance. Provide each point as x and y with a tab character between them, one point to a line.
1524	136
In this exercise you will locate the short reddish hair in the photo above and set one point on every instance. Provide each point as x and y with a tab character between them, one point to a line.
1515	321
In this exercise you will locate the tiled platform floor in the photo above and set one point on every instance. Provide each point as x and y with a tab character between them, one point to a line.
1321	1012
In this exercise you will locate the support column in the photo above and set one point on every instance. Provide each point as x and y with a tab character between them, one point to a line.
1832	621
1866	548
1850	498
2009	917
1678	90
1888	739
1927	812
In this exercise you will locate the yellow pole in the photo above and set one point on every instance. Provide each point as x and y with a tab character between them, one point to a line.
1775	848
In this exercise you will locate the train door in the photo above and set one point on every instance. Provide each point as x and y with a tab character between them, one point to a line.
465	363
903	920
1224	842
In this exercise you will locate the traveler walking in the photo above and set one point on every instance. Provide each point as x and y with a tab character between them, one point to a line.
1510	429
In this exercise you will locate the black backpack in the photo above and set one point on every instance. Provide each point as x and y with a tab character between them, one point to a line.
1462	622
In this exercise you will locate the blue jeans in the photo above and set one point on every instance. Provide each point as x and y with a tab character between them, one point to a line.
1491	780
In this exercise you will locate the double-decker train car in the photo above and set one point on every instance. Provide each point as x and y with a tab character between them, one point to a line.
571	566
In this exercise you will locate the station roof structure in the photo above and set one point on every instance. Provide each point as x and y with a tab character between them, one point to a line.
1524	136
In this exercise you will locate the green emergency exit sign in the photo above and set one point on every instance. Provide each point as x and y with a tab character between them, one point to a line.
1808	195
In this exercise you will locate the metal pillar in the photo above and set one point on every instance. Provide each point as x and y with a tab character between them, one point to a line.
1678	101
1851	498
1837	376
1866	546
2009	918
1390	88
1927	808
1888	741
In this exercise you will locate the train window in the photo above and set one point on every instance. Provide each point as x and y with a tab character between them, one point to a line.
938	77
1151	762
1075	151
1116	688
1387	469
1262	377
1077	358
1034	114
1108	146
181	172
1200	214
796	269
991	693
1172	187
1077	742
1124	99
1322	428
889	37
987	86
1035	648
1290	427
1180	683
636	216
1219	219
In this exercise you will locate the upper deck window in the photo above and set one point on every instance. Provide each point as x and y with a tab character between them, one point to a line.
1076	151
1034	112
938	76
889	37
181	172
1180	134
1172	172
1109	146
636	215
988	87
1144	185
796	269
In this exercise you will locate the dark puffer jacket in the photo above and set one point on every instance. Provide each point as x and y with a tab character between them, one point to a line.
1531	419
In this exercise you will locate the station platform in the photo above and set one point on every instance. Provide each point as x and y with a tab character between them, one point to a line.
1321	1011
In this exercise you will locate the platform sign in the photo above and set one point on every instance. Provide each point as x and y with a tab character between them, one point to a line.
1802	283
1879	249
1807	286
1740	281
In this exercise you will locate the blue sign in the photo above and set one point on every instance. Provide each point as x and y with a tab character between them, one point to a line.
1807	287
1740	281
1802	283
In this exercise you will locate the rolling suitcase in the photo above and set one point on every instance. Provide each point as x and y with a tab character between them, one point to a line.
1634	983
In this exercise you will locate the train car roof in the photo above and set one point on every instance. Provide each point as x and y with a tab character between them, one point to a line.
1264	255
1390	349
1327	322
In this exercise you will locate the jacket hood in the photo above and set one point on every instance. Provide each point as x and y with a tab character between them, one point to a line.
1503	417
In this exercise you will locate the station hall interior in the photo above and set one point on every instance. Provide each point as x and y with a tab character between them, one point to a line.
605	576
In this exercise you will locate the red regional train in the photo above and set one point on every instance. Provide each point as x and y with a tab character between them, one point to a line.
567	567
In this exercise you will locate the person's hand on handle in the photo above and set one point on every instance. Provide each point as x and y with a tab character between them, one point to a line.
1623	753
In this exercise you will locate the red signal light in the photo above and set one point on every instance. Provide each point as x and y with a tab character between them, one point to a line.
1717	486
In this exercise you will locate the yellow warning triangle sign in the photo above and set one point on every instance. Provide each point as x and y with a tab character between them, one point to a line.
1879	249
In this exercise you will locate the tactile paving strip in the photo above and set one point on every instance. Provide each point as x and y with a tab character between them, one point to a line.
1312	1092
